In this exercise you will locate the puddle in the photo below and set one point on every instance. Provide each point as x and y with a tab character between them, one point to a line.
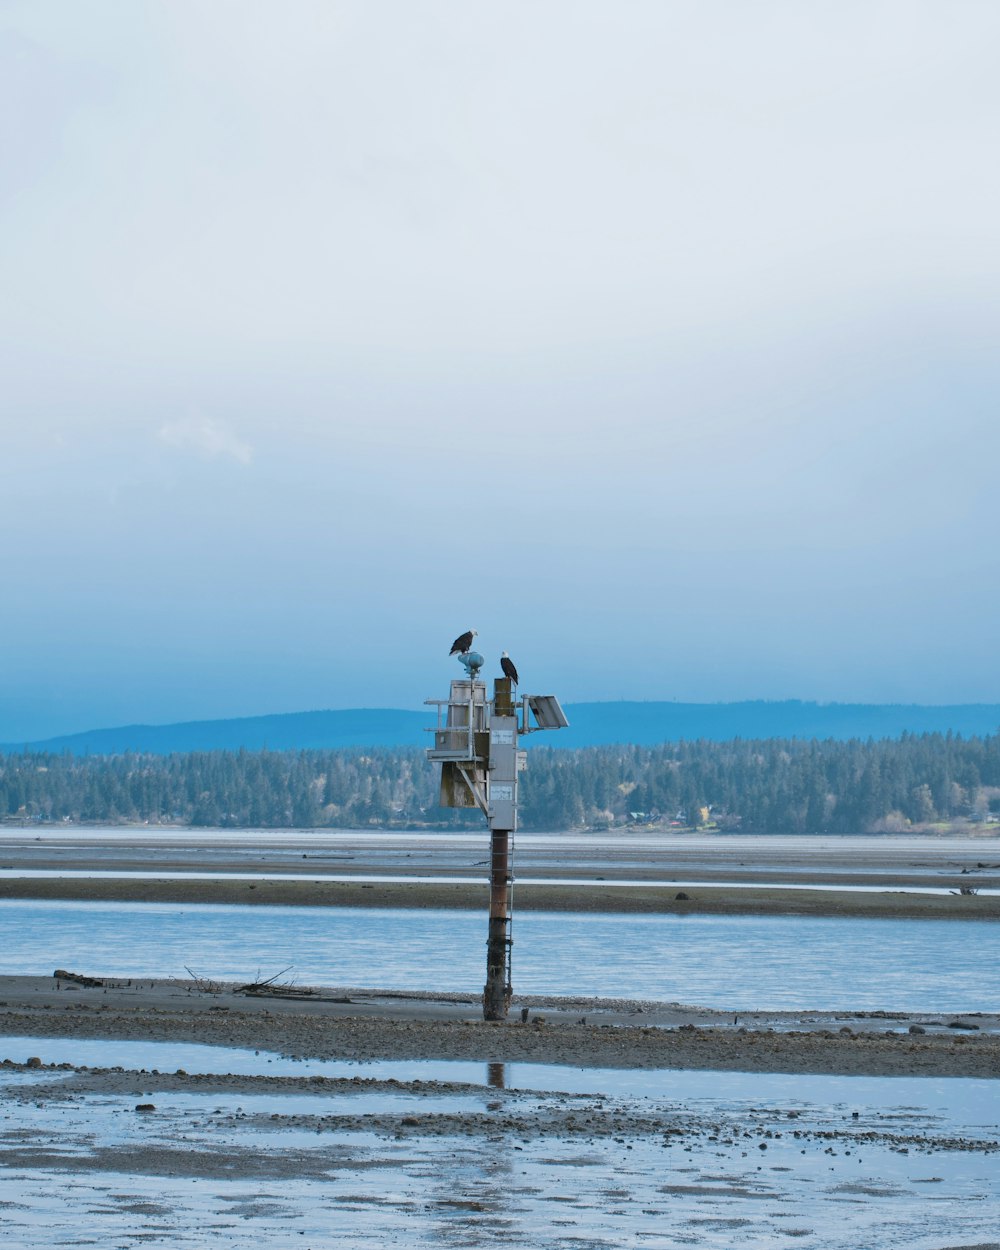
366	1190
955	1104
555	1158
206	1105
164	1056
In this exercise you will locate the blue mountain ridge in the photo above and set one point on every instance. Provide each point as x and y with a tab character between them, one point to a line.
591	724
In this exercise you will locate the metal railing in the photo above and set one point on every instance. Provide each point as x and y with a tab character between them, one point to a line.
457	742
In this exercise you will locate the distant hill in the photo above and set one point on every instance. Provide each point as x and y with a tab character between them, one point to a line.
648	723
591	724
356	727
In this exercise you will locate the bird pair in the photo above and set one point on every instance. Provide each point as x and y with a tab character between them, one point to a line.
463	644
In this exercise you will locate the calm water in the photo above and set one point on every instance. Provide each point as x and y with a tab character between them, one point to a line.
729	962
293	1185
948	1104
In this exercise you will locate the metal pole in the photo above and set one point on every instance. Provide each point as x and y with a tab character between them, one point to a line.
484	771
503	821
496	995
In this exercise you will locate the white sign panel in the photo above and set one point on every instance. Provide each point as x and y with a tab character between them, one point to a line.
502	793
502	737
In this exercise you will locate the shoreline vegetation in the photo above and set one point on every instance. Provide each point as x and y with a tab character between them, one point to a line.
762	786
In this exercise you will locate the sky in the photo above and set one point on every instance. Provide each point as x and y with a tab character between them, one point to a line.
657	341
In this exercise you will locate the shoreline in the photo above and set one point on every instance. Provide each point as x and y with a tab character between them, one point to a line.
608	897
366	1025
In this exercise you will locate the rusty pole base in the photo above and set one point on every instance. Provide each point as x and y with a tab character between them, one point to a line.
496	993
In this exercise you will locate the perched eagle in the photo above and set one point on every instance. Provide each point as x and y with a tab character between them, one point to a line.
507	664
463	643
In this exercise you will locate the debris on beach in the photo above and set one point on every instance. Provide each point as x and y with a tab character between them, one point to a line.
77	978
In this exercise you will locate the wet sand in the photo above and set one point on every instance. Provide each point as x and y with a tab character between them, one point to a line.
644	900
114	1153
370	1024
113	1156
586	873
352	1023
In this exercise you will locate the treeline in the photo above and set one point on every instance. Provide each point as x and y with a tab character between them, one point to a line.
766	786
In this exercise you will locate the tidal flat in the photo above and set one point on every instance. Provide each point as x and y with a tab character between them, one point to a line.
630	872
102	1146
185	1111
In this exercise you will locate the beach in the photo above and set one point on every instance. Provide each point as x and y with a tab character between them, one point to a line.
364	1025
898	878
405	1120
627	872
377	1116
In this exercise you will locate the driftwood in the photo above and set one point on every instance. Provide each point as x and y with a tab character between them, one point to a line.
294	993
77	978
285	991
263	987
203	984
270	988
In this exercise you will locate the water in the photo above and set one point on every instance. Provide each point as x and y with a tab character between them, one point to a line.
756	1161
742	963
367	1192
577	883
948	1105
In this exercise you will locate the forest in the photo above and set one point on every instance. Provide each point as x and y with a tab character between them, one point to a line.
766	786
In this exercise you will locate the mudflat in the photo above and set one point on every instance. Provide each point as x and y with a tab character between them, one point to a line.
677	1132
567	873
904	877
360	1024
637	900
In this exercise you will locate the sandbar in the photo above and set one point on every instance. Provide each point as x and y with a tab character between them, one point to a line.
365	1024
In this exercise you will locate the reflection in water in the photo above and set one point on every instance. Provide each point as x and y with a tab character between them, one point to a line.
490	1161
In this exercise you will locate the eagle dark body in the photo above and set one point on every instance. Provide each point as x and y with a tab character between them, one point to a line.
507	664
463	643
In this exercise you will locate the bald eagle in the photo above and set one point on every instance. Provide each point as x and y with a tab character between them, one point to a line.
463	643
507	664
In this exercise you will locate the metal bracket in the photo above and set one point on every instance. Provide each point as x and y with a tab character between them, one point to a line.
477	793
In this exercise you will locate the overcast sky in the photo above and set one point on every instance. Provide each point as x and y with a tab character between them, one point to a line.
657	341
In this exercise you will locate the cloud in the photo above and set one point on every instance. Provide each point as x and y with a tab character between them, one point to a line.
206	438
